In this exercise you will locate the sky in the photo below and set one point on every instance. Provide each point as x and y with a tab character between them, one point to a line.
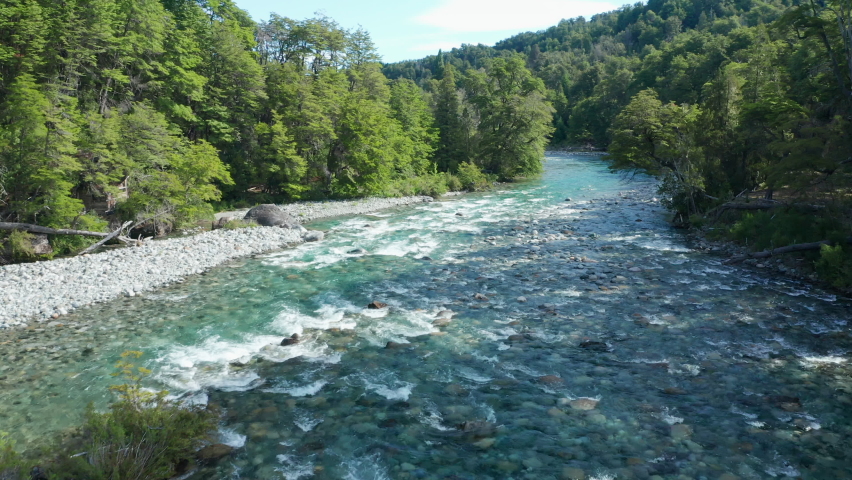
404	29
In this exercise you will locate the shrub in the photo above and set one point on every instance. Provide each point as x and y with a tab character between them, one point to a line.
773	229
144	435
835	266
453	183
237	223
433	185
11	465
65	244
472	178
20	245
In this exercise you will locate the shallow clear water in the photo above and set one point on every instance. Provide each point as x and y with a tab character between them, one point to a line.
662	362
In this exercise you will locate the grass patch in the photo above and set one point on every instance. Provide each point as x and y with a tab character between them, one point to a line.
142	436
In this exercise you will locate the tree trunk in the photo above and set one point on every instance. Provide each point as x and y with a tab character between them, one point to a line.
106	239
799	247
27	227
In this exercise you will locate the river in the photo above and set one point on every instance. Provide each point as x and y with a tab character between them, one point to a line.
526	336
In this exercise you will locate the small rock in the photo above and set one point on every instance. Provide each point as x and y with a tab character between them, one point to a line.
313	236
674	391
681	431
294	339
485	443
481	297
584	403
212	453
551	380
375	305
595	346
522	299
478	428
569	473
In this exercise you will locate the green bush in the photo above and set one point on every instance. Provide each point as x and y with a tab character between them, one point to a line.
433	185
20	246
776	228
238	223
453	183
11	464
142	436
835	266
472	178
68	244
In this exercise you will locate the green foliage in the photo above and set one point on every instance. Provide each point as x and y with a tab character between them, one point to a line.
515	118
143	435
471	177
835	266
236	224
19	244
11	464
433	185
773	229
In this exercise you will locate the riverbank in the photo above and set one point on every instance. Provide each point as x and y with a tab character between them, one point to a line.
45	291
306	212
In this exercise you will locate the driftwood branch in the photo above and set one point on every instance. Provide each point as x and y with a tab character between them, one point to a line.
799	247
105	239
49	231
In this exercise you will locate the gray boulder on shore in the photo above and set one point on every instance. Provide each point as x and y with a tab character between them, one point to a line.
269	215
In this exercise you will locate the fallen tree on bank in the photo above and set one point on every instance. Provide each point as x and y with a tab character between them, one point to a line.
105	236
799	247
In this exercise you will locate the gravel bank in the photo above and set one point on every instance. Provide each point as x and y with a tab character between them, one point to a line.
44	290
308	211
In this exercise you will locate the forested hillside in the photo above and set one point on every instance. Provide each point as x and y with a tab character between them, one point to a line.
719	99
150	109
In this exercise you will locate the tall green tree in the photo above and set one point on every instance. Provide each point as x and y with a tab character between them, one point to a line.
515	118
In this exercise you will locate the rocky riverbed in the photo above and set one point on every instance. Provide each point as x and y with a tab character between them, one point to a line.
309	211
45	291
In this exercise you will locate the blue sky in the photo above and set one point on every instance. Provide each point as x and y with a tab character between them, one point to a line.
409	29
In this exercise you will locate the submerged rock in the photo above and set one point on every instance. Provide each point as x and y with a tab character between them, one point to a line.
215	452
583	403
595	346
478	428
551	380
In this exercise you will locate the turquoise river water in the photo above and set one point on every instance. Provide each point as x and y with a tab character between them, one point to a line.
584	339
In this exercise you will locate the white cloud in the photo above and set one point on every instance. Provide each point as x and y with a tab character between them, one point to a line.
490	15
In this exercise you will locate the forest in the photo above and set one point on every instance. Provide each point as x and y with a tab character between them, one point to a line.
117	110
129	110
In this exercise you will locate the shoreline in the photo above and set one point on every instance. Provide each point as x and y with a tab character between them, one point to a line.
43	292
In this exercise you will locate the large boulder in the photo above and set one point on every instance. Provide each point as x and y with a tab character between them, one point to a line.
269	215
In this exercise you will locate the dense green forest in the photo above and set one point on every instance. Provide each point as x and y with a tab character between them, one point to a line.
720	99
134	109
119	109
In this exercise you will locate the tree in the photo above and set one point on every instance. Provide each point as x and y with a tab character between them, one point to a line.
515	118
660	139
452	148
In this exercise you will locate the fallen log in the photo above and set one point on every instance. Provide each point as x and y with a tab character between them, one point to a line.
106	239
49	231
799	247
